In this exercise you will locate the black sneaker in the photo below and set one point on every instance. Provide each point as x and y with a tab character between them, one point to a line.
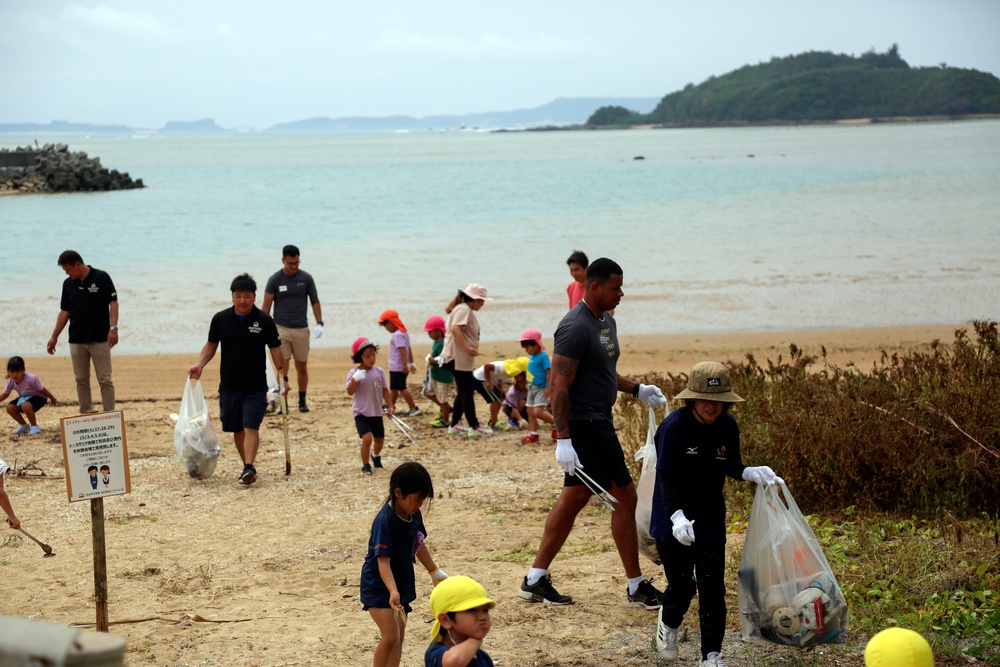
303	407
366	469
646	597
249	475
542	591
376	461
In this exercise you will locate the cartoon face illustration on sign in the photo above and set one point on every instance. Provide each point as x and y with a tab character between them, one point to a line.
92	471
106	474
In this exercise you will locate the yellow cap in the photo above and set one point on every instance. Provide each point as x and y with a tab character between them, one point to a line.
514	367
458	593
898	647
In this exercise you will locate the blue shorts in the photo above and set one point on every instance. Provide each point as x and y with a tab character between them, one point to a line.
373	425
37	402
601	455
239	410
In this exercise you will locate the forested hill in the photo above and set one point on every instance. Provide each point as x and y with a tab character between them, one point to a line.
819	86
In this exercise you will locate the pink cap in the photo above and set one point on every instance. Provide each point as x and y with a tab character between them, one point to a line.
360	344
434	322
532	336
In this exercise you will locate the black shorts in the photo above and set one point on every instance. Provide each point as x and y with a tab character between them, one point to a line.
600	453
239	410
37	402
373	425
397	380
484	391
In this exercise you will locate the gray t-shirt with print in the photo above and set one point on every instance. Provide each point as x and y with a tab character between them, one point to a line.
593	341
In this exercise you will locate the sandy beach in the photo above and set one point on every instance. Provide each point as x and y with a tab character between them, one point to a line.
213	573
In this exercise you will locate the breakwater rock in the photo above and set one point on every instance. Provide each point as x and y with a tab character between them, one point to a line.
54	168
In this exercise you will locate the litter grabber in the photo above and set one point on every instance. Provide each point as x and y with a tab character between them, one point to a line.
597	489
404	428
284	424
46	548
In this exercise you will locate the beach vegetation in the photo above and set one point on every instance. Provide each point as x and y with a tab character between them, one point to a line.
896	467
820	86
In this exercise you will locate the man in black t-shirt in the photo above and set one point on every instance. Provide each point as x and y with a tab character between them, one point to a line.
244	331
585	386
89	303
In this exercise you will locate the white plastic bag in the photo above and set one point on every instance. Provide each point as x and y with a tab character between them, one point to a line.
194	435
644	491
787	591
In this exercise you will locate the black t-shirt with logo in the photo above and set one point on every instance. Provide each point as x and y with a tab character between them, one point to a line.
244	348
593	341
87	301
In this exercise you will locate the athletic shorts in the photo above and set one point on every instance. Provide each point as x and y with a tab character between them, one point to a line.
536	397
239	410
600	453
444	392
294	343
373	425
488	396
397	380
37	402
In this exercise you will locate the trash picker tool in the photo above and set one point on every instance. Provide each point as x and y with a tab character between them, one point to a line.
597	489
46	548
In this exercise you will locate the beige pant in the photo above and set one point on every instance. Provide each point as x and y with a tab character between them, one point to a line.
100	353
294	343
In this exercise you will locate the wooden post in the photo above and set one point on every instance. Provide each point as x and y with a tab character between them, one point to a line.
100	563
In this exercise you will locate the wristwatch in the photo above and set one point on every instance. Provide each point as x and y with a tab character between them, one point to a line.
115	329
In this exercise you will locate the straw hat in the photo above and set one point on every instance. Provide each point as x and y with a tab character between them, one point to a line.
710	381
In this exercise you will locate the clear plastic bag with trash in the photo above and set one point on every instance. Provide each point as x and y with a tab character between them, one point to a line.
194	434
644	492
787	591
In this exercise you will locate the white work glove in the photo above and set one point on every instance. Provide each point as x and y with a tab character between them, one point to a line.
318	333
413	367
651	395
683	529
439	360
437	576
359	375
566	456
427	360
761	475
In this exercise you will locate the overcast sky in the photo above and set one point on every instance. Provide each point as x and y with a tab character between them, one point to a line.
251	63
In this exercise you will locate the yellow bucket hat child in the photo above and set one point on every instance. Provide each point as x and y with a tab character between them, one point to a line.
456	593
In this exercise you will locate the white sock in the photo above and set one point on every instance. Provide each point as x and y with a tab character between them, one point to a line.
534	574
633	584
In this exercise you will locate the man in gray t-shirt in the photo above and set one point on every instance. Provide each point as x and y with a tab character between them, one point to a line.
585	386
291	289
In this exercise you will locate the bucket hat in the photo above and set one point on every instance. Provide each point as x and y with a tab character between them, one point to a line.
476	291
360	344
457	593
710	381
531	336
898	647
514	367
434	322
391	315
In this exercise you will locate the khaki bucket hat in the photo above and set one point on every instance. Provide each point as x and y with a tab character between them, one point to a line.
710	381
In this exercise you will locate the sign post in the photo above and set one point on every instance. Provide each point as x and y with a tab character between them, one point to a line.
95	455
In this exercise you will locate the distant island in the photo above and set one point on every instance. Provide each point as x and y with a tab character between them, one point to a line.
559	112
818	86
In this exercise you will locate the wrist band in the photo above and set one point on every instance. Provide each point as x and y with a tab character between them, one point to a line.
635	390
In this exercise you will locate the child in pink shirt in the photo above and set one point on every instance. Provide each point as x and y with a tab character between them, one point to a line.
366	384
31	397
400	360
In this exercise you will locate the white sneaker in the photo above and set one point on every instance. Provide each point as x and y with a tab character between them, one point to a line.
714	660
35	430
457	429
21	430
666	639
482	430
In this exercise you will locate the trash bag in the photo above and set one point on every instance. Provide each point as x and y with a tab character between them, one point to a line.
194	435
787	592
644	491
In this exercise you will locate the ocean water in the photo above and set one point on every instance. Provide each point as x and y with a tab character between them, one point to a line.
716	229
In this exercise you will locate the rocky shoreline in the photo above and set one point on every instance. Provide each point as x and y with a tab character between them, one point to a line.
54	168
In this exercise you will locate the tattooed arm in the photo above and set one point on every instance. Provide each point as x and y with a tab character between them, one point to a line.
563	375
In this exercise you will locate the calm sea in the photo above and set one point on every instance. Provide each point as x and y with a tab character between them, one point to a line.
717	229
